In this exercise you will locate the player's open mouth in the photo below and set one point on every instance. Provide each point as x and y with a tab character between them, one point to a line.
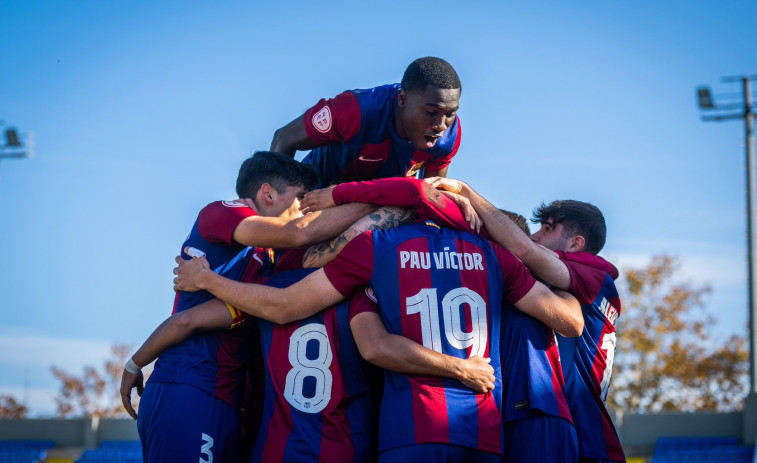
431	140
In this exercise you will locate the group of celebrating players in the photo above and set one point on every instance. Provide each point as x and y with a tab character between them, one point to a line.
394	315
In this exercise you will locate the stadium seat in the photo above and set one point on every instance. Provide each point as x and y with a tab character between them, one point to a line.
24	451
709	449
112	452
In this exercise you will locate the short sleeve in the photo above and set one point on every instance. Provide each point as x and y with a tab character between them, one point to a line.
361	302
585	282
333	120
218	220
353	266
516	277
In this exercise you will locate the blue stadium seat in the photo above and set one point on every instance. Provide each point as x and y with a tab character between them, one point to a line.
112	452
706	449
24	451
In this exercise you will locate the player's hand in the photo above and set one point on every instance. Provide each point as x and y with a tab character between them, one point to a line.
478	374
189	273
446	184
317	200
128	382
471	216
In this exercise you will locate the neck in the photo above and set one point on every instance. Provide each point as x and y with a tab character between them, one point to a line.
398	126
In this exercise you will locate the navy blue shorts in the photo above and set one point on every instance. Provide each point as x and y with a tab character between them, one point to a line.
181	423
541	439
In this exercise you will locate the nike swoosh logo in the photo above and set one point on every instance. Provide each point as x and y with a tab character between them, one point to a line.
366	159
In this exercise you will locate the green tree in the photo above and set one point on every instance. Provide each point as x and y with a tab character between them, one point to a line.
95	392
666	359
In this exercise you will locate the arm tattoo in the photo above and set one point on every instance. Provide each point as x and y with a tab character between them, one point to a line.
384	218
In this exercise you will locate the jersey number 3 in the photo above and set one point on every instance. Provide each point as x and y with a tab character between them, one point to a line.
303	368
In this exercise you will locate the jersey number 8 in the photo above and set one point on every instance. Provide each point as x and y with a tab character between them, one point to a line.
304	367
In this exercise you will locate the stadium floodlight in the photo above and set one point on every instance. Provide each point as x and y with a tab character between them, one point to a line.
14	147
11	138
705	98
742	109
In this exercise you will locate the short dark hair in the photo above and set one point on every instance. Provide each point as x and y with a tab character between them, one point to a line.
275	169
577	218
429	71
518	220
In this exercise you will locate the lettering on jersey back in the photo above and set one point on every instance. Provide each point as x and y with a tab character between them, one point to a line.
441	260
610	312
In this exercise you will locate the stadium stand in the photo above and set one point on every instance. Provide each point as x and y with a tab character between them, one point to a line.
716	449
111	451
24	451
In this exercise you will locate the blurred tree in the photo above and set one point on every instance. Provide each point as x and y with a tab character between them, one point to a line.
95	393
666	359
10	408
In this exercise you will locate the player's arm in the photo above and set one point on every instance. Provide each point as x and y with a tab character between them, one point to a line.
436	173
557	309
292	137
383	217
542	262
278	305
397	353
398	192
211	315
279	233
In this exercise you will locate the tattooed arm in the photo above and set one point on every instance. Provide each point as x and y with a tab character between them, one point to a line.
384	217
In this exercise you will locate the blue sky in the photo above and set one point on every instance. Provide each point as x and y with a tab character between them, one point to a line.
143	111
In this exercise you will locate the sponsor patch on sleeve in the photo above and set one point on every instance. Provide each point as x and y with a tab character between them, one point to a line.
233	204
322	120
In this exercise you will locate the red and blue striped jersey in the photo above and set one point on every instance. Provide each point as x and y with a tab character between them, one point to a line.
317	401
212	361
443	289
587	360
532	375
357	138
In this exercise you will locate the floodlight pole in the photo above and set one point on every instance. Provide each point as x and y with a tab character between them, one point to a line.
707	103
750	403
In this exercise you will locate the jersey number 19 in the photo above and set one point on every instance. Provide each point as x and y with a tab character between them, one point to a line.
426	304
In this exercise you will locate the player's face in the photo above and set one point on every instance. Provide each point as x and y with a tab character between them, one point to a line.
424	116
288	202
550	235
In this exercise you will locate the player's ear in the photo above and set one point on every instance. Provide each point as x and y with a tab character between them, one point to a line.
401	98
577	244
267	193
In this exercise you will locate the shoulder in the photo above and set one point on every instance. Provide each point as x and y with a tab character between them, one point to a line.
227	207
376	98
588	260
222	217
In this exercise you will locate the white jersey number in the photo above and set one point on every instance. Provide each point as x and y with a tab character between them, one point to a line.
304	367
207	445
608	344
425	303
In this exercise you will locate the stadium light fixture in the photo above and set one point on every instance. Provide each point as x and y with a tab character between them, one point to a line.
741	107
14	146
705	98
11	138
